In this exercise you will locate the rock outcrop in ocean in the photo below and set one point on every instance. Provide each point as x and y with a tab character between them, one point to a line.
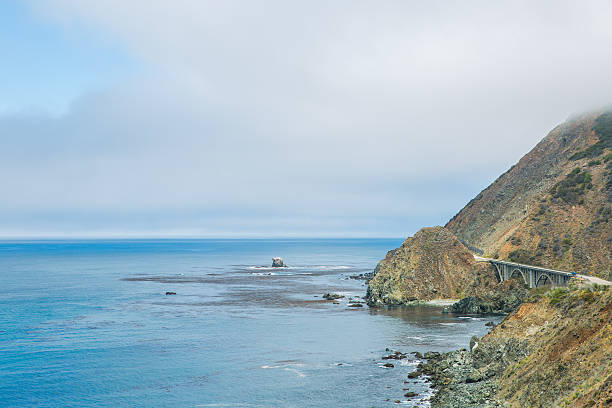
278	263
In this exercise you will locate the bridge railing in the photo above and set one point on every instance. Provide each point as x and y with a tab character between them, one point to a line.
535	268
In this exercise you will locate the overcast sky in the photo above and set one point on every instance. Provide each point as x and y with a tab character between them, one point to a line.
279	118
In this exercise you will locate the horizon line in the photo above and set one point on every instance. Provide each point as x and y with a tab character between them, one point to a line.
187	237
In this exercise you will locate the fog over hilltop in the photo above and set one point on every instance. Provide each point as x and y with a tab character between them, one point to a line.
286	118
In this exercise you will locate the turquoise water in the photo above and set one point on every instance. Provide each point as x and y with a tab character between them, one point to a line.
87	323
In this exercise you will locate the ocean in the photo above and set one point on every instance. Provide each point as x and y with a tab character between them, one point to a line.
87	323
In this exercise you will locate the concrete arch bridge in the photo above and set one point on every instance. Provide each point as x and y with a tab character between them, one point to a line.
533	276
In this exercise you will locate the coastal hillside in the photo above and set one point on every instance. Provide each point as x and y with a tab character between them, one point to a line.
552	352
553	207
433	264
569	340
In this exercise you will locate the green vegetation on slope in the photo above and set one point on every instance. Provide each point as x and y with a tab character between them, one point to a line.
608	185
571	189
544	210
603	129
553	351
523	256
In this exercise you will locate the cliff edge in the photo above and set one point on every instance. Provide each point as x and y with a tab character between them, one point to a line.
553	207
433	264
552	352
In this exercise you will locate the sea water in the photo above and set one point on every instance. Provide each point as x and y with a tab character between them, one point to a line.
88	323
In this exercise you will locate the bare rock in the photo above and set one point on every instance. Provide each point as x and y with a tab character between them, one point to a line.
278	262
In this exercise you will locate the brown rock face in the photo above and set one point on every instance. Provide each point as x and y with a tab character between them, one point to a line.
554	351
553	207
570	353
433	264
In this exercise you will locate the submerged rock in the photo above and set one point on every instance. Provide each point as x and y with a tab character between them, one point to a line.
332	296
398	355
362	276
414	374
278	262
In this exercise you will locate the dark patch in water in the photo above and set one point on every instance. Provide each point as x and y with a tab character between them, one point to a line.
249	287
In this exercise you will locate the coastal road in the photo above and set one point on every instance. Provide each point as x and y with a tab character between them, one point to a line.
588	279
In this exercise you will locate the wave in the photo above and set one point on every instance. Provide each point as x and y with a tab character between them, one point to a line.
288	366
298	372
332	267
285	268
271	268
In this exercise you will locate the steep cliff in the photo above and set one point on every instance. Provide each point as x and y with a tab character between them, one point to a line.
553	352
431	265
553	207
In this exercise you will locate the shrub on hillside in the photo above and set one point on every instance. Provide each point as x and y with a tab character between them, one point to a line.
571	189
556	295
603	129
523	256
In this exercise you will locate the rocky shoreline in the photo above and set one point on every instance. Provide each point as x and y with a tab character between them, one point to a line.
554	346
461	378
504	298
553	350
465	378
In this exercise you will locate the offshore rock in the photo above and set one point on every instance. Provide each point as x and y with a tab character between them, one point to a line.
332	296
278	263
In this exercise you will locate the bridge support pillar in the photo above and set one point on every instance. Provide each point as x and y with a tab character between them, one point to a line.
532	275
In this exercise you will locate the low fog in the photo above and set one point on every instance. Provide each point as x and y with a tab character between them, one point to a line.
285	118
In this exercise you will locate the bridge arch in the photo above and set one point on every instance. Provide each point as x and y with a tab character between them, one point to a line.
544	279
500	274
533	276
516	272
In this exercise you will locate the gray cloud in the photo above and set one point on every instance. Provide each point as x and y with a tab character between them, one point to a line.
300	117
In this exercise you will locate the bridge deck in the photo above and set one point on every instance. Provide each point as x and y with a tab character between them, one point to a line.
535	268
588	278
